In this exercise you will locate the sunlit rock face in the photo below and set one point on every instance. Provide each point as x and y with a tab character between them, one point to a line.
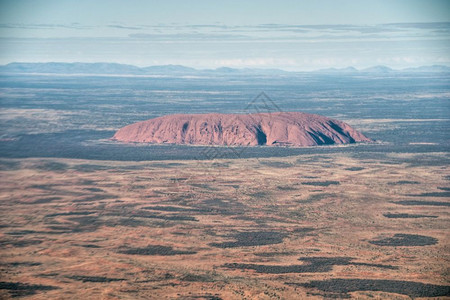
268	129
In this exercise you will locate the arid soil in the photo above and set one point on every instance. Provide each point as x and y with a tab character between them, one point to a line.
309	226
271	129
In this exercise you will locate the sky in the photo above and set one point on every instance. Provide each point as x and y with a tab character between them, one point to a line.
285	34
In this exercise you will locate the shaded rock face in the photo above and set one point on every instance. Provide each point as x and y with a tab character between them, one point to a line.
272	129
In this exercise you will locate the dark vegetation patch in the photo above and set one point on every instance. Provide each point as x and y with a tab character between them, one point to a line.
200	297
286	188
91	168
341	287
417	202
295	215
179	178
155	250
407	216
273	254
90	246
220	165
130	168
61	229
21	232
80	223
87	182
113	184
445	194
170	208
128	222
20	243
197	278
173	164
94	278
203	186
54	274
321	183
45	187
315	158
17	289
401	182
138	187
316	197
202	210
276	164
263	221
253	238
427	160
85	224
96	197
216	202
9	165
259	195
311	265
51	166
354	169
42	200
170	217
70	213
234	186
163	224
22	263
176	218
303	230
121	205
164	165
92	223
94	189
217	206
210	297
401	239
444	188
147	215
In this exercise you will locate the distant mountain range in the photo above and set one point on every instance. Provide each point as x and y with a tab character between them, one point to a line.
122	69
384	69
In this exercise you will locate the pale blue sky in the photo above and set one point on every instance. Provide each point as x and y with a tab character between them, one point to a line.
293	35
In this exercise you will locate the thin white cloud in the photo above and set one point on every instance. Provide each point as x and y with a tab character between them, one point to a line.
401	31
284	46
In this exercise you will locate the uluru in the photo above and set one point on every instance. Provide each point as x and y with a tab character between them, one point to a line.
271	129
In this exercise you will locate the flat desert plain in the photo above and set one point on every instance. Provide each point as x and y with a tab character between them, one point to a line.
319	226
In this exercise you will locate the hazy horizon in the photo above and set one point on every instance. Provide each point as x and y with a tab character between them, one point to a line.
237	68
296	36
